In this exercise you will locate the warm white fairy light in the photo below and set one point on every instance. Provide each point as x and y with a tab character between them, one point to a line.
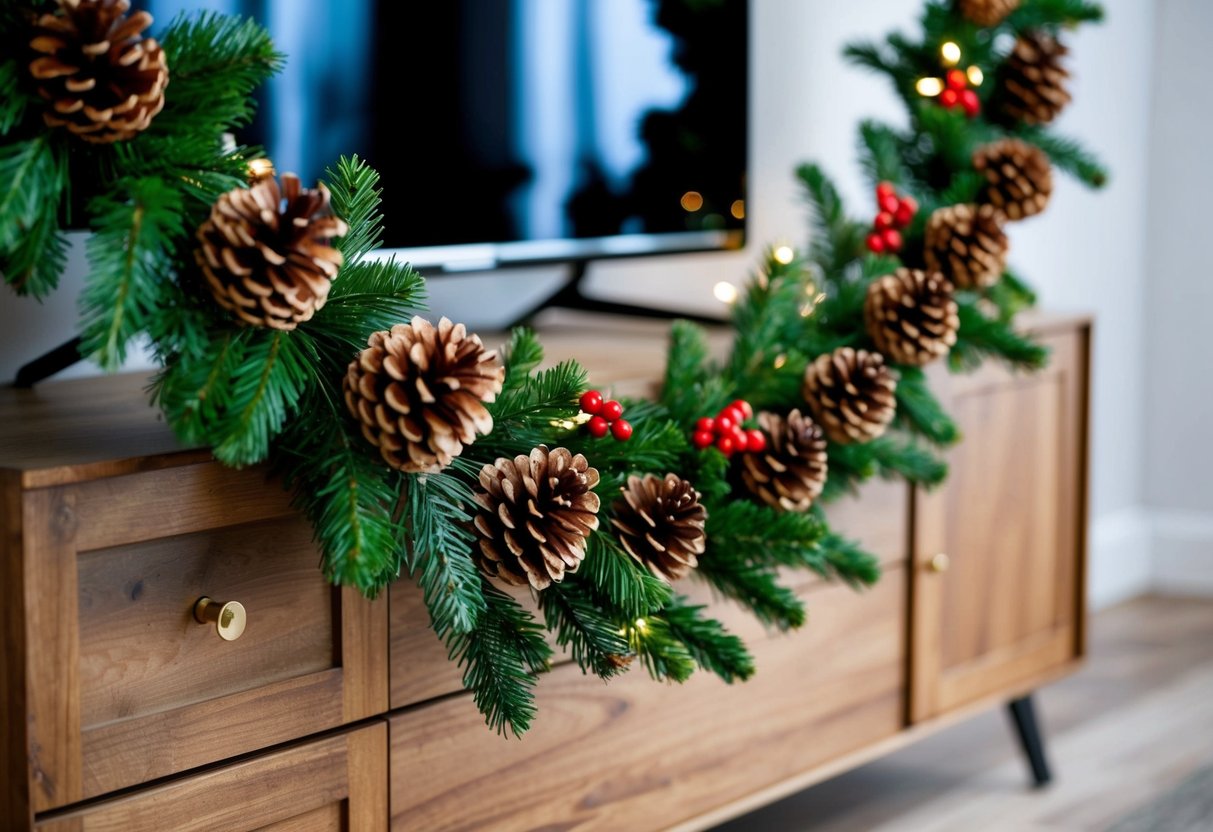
950	52
975	75
784	255
929	87
725	292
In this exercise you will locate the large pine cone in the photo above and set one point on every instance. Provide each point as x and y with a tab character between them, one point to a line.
419	391
535	515
1031	83
986	12
966	244
101	78
851	394
791	471
1019	179
266	254
660	523
911	316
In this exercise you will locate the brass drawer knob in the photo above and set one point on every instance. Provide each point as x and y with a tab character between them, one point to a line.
939	563
229	619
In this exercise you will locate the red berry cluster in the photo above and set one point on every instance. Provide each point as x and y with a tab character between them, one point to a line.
956	93
606	416
727	431
895	213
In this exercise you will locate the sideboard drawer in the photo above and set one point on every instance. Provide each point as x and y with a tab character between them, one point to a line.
126	686
335	784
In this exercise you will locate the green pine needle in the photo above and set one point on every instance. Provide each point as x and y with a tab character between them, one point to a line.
712	647
596	640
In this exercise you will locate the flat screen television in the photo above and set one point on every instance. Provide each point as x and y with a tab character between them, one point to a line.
516	131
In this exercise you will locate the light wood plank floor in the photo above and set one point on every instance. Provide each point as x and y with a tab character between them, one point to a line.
1132	725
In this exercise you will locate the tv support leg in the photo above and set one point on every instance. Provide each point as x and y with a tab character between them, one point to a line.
570	296
1023	713
47	365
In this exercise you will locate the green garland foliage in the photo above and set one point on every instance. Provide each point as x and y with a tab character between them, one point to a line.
257	395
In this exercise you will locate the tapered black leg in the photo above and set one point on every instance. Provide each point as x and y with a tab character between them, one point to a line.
1024	714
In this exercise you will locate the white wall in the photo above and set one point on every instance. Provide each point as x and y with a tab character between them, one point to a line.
1178	463
1086	253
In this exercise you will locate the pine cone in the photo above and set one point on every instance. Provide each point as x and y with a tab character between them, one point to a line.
269	265
986	12
535	515
791	472
966	244
419	392
851	394
1019	179
103	80
911	316
1031	83
660	523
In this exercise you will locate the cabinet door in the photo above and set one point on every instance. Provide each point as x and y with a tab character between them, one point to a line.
999	550
338	784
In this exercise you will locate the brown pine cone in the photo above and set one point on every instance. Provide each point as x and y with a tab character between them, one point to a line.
791	471
418	392
966	244
1031	83
1019	179
102	79
986	12
850	394
660	523
911	316
535	515
269	265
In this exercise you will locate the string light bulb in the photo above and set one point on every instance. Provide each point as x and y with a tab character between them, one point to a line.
976	76
784	255
929	87
950	52
725	292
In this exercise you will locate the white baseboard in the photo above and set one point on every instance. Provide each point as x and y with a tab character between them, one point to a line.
1182	552
1120	563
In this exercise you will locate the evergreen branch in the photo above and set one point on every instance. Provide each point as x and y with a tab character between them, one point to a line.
499	659
870	56
846	560
34	265
711	646
1035	14
366	297
1068	155
765	535
192	389
356	198
596	641
616	577
661	651
263	392
756	587
13	98
687	370
521	356
880	152
34	176
131	257
657	445
919	411
438	521
981	336
900	458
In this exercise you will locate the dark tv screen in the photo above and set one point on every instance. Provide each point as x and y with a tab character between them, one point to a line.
516	130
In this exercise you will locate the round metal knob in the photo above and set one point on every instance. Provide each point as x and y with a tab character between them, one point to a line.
939	563
229	619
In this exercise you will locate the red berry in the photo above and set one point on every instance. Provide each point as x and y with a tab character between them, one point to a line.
707	424
591	401
611	410
622	430
597	427
892	239
733	412
756	440
905	213
884	189
747	412
725	424
888	203
883	220
702	439
949	98
725	445
970	102
740	441
910	202
875	243
957	80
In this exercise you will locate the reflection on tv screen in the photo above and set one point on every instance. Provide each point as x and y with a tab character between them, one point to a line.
495	121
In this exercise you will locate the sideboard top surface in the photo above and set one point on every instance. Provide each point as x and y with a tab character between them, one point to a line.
63	432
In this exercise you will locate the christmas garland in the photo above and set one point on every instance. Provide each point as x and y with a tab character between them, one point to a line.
413	449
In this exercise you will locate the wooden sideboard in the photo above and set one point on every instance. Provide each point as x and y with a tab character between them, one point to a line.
122	712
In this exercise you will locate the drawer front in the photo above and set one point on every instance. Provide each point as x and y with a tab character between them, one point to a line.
126	686
336	784
639	755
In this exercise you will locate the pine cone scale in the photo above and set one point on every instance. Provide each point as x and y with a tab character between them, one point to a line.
850	394
660	523
1019	178
911	316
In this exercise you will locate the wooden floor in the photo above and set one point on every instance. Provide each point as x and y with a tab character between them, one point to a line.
1129	728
